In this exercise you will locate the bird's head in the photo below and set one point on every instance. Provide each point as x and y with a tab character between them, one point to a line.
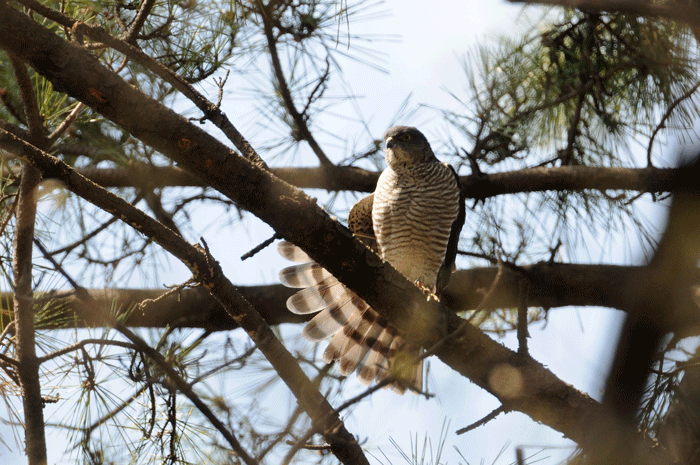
406	146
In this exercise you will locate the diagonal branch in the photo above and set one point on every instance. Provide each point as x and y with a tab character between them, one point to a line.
660	297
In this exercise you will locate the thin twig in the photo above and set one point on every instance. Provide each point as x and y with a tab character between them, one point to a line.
260	247
220	84
9	213
9	360
667	115
489	293
7	330
522	331
81	344
85	238
173	290
310	446
65	124
483	421
285	93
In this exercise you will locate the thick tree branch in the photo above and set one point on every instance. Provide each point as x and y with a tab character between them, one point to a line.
538	393
551	285
661	298
347	178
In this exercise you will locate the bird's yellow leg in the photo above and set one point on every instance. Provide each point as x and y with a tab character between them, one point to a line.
428	292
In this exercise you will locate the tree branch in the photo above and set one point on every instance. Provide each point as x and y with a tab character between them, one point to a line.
660	298
551	285
347	178
28	363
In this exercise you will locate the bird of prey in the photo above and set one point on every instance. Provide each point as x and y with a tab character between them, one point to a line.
412	220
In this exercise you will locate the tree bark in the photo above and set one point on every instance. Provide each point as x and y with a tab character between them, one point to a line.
551	285
28	366
349	178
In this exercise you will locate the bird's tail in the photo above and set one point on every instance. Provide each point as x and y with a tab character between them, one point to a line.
362	339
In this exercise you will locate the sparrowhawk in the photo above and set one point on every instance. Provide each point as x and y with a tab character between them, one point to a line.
413	220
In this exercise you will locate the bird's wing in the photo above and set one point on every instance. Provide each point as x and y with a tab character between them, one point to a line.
360	221
447	267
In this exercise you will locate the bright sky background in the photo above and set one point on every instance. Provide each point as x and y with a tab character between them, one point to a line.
574	343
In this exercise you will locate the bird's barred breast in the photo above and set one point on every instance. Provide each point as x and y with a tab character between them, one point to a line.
414	208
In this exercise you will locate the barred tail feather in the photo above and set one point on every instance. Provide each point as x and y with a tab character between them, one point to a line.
292	253
336	348
360	341
376	363
315	298
331	319
349	336
304	275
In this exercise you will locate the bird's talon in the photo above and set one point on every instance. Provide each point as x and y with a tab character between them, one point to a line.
429	293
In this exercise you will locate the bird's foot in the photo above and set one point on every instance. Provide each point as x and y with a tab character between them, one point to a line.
428	292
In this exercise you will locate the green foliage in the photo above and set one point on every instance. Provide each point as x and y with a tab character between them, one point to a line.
580	87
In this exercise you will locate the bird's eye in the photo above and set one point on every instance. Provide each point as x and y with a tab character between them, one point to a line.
405	137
